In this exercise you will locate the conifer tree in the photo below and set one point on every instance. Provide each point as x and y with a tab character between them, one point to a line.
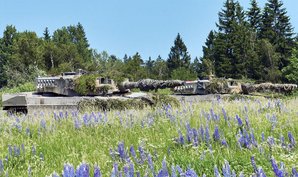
178	56
254	16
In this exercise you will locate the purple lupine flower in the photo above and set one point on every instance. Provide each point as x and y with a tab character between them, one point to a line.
112	154
282	140
164	170
33	150
126	171
226	169
276	170
195	137
241	174
77	123
131	170
188	133
181	138
224	142
142	154
204	175
207	135
291	139
190	173
239	121
247	122
43	124
180	171
138	174
202	133
23	148
1	167
10	150
216	173
17	151
263	137
132	152
28	131
261	172
115	172
121	150
150	163
253	163
97	172
253	140
82	170
270	141
86	119
294	172
68	171
224	114
216	135
173	171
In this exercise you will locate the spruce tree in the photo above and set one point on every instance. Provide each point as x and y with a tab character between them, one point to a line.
254	16
178	56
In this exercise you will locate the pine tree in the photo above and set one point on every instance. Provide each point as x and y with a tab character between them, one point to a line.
178	56
276	27
46	35
254	16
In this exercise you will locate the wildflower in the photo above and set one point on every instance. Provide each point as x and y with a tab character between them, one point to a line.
195	137
190	173
131	170
241	174
253	163
164	170
263	137
224	142
121	150
1	167
28	131
97	172
142	154
282	140
17	151
216	173
132	152
224	114
291	139
207	134
180	171
68	171
216	135
33	150
10	150
270	141
261	173
112	154
43	124
77	123
126	171
188	133
276	170
294	172
173	171
202	133
29	172
115	170
138	174
181	138
239	121
150	163
83	170
226	170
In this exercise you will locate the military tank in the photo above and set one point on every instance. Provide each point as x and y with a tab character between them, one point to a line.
60	93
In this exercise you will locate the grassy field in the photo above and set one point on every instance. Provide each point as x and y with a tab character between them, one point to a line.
220	138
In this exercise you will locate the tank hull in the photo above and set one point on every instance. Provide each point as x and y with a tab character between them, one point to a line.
31	102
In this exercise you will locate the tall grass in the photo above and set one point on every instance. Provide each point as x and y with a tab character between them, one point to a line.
42	143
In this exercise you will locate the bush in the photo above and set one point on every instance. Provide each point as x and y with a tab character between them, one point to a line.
85	84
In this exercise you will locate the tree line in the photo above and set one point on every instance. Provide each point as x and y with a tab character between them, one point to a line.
256	44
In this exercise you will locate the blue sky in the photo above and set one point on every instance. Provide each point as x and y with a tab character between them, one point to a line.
127	26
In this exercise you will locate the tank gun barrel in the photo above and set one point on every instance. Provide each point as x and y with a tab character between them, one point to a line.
150	84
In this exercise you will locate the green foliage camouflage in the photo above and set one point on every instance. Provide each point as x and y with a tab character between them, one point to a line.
85	84
153	100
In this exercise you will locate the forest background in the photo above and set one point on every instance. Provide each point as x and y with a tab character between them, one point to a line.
258	44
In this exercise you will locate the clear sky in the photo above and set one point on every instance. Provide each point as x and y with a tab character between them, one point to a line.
126	26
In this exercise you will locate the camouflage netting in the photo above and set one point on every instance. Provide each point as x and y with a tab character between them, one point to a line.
152	100
150	84
218	86
268	87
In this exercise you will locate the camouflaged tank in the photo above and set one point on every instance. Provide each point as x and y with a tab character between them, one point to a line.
59	93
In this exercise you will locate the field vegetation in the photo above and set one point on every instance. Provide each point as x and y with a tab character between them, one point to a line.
242	137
